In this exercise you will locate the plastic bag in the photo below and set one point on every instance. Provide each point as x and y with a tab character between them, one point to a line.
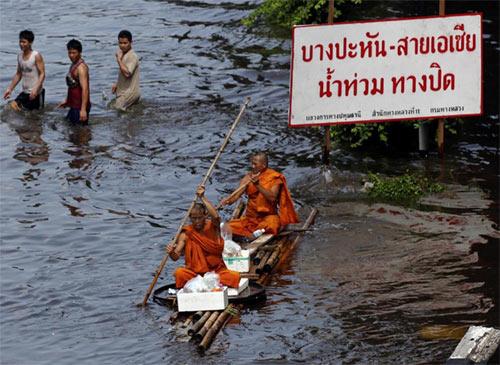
231	248
211	280
225	231
195	285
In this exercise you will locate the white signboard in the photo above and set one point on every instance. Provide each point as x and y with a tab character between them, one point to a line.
388	70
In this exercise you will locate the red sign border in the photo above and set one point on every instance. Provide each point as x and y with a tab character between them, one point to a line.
367	121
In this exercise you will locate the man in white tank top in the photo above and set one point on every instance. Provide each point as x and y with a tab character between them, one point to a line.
31	70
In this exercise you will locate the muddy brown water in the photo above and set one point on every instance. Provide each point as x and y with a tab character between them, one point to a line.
86	211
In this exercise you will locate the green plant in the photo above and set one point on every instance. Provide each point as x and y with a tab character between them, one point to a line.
405	189
361	135
286	13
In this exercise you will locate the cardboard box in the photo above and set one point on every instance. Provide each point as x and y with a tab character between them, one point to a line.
238	263
232	292
192	302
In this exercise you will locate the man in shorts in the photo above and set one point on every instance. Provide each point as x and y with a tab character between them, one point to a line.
31	70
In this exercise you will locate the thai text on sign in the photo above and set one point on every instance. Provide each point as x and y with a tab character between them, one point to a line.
388	70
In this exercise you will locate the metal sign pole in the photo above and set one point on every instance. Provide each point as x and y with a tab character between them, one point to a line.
440	129
327	143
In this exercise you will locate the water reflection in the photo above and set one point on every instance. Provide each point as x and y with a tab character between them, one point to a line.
80	136
32	148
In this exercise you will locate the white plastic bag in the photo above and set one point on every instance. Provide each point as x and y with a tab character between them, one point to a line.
195	285
231	248
211	280
225	231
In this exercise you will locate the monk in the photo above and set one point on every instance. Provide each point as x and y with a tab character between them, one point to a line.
202	245
270	206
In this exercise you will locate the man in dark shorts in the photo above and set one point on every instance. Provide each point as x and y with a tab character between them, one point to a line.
31	70
77	79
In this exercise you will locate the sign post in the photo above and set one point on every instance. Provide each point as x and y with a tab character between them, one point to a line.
328	144
386	70
440	130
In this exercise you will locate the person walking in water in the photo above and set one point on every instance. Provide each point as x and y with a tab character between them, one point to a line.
77	79
127	86
31	70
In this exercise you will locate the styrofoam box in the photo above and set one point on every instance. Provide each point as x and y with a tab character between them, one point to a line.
232	292
238	263
192	302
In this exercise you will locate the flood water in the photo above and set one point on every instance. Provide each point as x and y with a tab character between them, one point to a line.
86	211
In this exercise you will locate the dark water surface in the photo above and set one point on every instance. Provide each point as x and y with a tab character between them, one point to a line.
86	211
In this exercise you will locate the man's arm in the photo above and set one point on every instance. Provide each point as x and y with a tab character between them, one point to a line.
235	195
210	208
271	194
15	80
40	65
126	71
175	249
83	75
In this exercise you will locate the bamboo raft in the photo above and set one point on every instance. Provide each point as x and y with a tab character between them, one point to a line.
267	253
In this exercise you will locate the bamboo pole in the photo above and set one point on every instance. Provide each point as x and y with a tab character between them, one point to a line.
260	266
203	182
258	256
286	249
212	332
196	326
234	193
238	211
197	316
188	321
198	336
272	260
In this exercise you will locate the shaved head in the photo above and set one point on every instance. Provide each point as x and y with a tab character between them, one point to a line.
199	208
262	156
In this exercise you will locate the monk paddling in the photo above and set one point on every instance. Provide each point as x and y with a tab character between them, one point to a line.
202	245
270	206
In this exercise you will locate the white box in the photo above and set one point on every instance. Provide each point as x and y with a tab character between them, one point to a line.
192	302
233	292
238	263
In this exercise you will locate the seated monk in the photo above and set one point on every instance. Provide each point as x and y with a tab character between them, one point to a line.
269	205
202	245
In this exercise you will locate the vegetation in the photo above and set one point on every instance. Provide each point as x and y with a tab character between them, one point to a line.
405	189
381	134
287	13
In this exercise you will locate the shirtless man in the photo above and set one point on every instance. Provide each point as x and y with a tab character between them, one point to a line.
77	79
31	70
127	87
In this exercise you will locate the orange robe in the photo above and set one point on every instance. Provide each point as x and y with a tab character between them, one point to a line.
260	212
203	253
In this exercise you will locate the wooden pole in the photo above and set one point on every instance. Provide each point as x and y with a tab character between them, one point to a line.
196	326
203	182
234	193
328	143
208	324
440	129
212	332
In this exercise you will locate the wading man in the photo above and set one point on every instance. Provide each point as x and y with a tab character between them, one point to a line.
127	88
31	70
77	80
269	205
202	246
